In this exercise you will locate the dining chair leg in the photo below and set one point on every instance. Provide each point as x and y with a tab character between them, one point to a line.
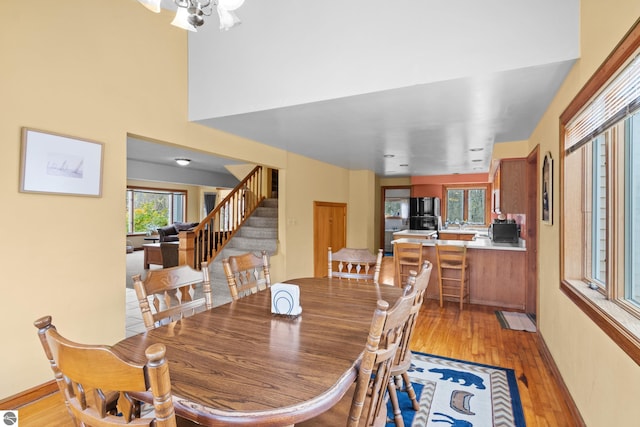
411	393
393	396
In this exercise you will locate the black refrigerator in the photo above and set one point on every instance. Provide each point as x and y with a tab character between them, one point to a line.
424	213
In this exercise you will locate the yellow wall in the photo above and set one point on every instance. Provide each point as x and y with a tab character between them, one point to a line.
602	379
101	70
362	187
506	150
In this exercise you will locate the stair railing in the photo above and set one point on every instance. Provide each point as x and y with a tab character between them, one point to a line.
206	240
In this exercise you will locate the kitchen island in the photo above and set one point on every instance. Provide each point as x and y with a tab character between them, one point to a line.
496	270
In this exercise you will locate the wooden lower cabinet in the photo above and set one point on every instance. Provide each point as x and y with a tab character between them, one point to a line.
443	235
497	277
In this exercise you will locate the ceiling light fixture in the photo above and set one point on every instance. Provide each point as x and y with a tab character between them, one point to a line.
191	13
182	161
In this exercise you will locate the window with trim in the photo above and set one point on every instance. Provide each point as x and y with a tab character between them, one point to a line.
149	209
600	227
467	204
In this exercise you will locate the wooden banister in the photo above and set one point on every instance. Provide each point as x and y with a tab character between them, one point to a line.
206	240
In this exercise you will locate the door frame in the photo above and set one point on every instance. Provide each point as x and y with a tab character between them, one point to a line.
532	184
381	208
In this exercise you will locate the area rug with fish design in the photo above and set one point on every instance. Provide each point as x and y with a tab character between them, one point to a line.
457	393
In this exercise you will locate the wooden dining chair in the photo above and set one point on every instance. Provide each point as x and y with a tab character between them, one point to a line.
247	274
95	382
402	361
169	294
407	257
365	403
386	274
453	272
353	264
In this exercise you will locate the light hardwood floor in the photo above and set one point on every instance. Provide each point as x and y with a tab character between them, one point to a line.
473	334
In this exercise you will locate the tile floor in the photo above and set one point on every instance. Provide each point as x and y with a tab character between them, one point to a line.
134	323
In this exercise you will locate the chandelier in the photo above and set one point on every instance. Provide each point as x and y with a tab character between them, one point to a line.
191	13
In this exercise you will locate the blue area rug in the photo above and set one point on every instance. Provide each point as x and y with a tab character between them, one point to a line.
460	394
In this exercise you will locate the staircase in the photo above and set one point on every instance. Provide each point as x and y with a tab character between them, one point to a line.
258	233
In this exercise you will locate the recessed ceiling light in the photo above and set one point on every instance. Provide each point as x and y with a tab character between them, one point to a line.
182	161
389	156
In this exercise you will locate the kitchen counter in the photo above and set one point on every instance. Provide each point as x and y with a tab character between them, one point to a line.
497	270
479	243
416	234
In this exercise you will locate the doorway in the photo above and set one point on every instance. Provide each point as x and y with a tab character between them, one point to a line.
394	212
329	230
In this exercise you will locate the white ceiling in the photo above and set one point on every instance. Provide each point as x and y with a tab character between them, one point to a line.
433	83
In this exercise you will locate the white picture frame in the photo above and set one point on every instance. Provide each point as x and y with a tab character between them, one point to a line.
59	164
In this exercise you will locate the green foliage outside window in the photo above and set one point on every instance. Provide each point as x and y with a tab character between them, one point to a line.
148	218
149	210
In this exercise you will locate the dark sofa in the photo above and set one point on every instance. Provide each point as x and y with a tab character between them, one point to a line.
170	232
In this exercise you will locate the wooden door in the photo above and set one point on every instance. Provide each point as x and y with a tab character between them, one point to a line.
329	229
532	180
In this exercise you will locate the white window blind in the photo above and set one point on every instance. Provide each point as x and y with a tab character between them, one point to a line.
620	97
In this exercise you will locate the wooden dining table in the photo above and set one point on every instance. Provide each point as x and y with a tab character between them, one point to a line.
239	364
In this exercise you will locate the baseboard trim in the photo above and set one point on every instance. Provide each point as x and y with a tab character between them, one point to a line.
28	396
548	359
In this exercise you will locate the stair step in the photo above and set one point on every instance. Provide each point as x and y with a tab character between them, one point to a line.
270	203
269	212
259	221
253	244
258	232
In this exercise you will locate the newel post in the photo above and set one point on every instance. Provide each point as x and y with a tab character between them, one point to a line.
186	248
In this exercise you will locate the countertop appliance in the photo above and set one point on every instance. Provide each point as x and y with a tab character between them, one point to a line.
424	213
504	231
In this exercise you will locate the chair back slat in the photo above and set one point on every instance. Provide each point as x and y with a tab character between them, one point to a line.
353	264
169	294
247	274
385	334
95	382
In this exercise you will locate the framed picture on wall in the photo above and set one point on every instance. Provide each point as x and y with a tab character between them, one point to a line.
59	164
547	189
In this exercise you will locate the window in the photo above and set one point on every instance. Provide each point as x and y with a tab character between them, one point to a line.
600	231
467	204
148	209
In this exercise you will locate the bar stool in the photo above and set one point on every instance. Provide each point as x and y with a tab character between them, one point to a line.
407	256
453	272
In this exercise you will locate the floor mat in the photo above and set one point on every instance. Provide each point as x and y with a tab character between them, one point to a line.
516	321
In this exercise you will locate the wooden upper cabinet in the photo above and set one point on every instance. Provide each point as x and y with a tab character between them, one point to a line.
509	182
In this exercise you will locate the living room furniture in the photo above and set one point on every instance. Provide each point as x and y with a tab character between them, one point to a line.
169	251
306	365
173	293
171	232
153	253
